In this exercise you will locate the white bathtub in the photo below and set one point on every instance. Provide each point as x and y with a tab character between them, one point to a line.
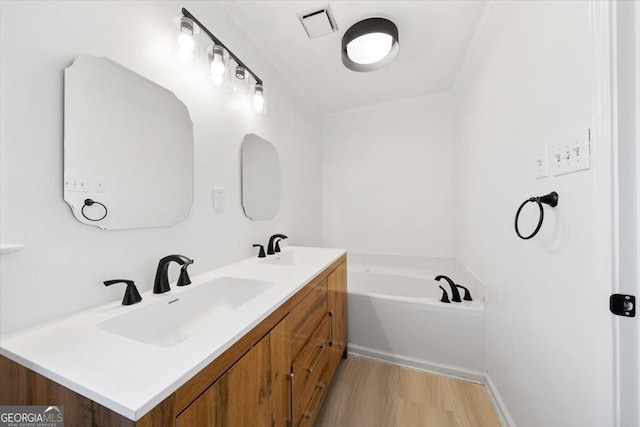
397	316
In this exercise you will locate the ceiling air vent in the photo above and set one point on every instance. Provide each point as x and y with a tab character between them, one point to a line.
318	22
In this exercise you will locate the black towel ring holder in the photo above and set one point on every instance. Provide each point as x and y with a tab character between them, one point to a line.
550	199
90	202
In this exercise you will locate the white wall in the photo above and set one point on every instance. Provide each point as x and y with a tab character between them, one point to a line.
526	83
388	178
64	263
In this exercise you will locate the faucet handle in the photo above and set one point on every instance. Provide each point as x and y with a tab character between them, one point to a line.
277	248
445	297
261	253
467	293
184	278
131	294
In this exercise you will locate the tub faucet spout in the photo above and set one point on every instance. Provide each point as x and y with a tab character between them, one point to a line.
455	295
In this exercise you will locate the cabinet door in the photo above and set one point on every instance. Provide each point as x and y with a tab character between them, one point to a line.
337	301
240	398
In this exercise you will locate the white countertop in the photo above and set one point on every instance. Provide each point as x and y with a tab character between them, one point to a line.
131	377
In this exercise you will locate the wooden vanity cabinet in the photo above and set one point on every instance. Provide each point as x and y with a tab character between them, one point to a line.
287	374
240	398
278	374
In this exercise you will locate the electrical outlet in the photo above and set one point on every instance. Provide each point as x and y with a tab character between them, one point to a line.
218	198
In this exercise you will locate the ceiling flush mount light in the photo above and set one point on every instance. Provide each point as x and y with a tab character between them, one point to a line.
221	61
370	44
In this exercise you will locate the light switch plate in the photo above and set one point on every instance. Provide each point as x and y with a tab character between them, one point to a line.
572	154
580	147
218	198
99	186
541	162
74	183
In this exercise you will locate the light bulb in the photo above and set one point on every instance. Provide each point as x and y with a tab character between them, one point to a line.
258	99
217	79
370	48
217	61
186	42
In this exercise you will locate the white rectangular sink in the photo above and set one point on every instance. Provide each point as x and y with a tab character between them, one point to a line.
169	322
297	256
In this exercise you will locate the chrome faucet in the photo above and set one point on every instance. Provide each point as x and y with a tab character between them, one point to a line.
270	247
161	284
455	295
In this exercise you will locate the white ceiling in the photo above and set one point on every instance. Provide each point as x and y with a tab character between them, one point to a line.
434	36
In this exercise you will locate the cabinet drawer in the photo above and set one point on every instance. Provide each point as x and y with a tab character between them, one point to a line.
308	417
307	315
311	411
308	368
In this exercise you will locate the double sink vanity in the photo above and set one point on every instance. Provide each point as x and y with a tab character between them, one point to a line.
254	343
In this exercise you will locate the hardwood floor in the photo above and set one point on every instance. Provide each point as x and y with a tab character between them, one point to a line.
365	393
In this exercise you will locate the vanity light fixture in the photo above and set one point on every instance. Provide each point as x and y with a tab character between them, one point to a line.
217	66
186	42
221	61
258	98
370	44
239	82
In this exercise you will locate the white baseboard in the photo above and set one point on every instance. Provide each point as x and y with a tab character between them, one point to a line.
419	364
498	403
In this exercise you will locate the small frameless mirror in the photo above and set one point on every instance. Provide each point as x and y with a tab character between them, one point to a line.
128	148
260	178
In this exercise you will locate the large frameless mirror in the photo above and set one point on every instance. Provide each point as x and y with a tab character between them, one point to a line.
260	178
128	148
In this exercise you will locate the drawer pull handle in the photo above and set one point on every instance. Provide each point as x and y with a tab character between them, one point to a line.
315	362
309	414
331	328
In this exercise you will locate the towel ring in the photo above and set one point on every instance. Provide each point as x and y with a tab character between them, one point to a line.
550	199
90	202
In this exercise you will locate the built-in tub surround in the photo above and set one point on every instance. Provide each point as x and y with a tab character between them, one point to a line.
90	354
396	316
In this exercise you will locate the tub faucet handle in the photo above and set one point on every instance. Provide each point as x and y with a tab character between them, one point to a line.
445	297
467	294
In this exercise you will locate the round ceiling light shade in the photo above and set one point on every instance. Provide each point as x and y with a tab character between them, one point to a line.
370	44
